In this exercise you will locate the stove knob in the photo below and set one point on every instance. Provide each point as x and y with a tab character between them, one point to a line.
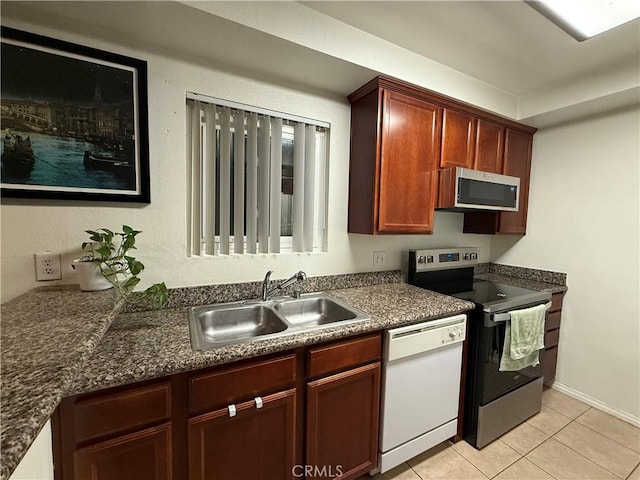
466	256
422	259
429	258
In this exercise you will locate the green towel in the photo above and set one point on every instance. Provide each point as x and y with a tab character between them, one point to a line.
523	338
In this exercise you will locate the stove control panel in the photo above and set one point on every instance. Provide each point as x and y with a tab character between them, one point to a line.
443	258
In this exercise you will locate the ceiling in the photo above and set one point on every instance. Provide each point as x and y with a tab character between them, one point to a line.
506	44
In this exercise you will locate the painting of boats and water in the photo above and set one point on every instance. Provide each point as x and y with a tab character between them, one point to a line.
68	123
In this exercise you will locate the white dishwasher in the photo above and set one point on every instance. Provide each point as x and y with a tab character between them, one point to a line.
421	388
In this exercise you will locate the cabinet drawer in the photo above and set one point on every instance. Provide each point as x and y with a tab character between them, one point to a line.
556	301
209	391
342	355
121	411
551	337
553	320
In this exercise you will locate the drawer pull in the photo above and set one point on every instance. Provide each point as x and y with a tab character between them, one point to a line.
232	410
258	401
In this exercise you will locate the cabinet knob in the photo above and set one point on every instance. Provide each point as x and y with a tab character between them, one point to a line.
258	401
232	410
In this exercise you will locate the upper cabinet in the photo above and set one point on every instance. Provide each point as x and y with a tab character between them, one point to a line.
395	150
405	143
517	163
489	146
458	139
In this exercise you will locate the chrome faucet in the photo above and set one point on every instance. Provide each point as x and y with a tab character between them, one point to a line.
268	290
266	283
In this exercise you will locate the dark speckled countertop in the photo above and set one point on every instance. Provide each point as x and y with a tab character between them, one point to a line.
47	335
145	345
59	341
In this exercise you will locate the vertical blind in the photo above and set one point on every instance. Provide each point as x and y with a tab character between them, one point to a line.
258	179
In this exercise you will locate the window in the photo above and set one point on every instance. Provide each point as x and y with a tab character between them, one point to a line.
258	179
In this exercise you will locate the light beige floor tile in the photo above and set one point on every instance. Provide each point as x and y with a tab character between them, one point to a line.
563	404
561	462
635	475
444	463
401	472
599	449
548	420
622	432
491	460
523	469
524	438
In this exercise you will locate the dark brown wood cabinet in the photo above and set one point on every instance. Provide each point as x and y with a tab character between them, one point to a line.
458	139
489	152
343	406
405	143
342	422
246	420
254	444
517	163
549	358
138	456
395	151
124	433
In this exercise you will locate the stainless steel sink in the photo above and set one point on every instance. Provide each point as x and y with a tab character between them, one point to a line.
213	326
313	311
224	324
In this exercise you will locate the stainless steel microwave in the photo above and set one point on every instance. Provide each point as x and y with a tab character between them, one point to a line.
477	190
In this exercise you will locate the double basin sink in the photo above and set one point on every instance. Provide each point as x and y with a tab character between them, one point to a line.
214	326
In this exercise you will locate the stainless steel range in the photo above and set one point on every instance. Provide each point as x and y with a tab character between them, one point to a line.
495	401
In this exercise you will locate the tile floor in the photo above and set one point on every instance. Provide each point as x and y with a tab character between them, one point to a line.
566	440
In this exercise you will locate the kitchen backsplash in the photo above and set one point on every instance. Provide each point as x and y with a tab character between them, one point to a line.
545	276
232	292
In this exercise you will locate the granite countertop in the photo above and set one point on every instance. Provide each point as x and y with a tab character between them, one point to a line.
522	282
145	345
59	341
47	336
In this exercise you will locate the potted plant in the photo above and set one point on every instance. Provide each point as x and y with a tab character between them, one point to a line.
108	263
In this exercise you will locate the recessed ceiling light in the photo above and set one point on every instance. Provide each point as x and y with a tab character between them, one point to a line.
583	19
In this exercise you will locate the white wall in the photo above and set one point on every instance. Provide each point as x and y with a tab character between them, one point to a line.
29	227
584	220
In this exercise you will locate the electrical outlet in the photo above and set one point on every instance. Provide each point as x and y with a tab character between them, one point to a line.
378	259
47	266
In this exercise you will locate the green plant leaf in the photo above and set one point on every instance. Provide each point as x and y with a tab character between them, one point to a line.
131	282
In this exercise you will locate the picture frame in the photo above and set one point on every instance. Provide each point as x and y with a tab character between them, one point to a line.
74	121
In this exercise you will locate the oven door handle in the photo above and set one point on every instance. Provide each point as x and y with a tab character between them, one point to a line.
504	317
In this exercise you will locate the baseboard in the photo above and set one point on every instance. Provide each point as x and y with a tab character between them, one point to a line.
622	415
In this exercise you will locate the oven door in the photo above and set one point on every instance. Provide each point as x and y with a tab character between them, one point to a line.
493	382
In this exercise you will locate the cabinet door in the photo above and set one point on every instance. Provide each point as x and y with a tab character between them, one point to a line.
489	147
458	138
342	423
144	455
517	163
409	156
256	444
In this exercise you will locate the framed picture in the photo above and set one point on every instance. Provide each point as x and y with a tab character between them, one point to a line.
73	121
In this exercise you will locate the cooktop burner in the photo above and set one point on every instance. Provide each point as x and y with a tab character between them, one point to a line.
494	296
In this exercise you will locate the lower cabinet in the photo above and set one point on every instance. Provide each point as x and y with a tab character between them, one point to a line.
247	420
549	357
141	455
342	423
256	443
